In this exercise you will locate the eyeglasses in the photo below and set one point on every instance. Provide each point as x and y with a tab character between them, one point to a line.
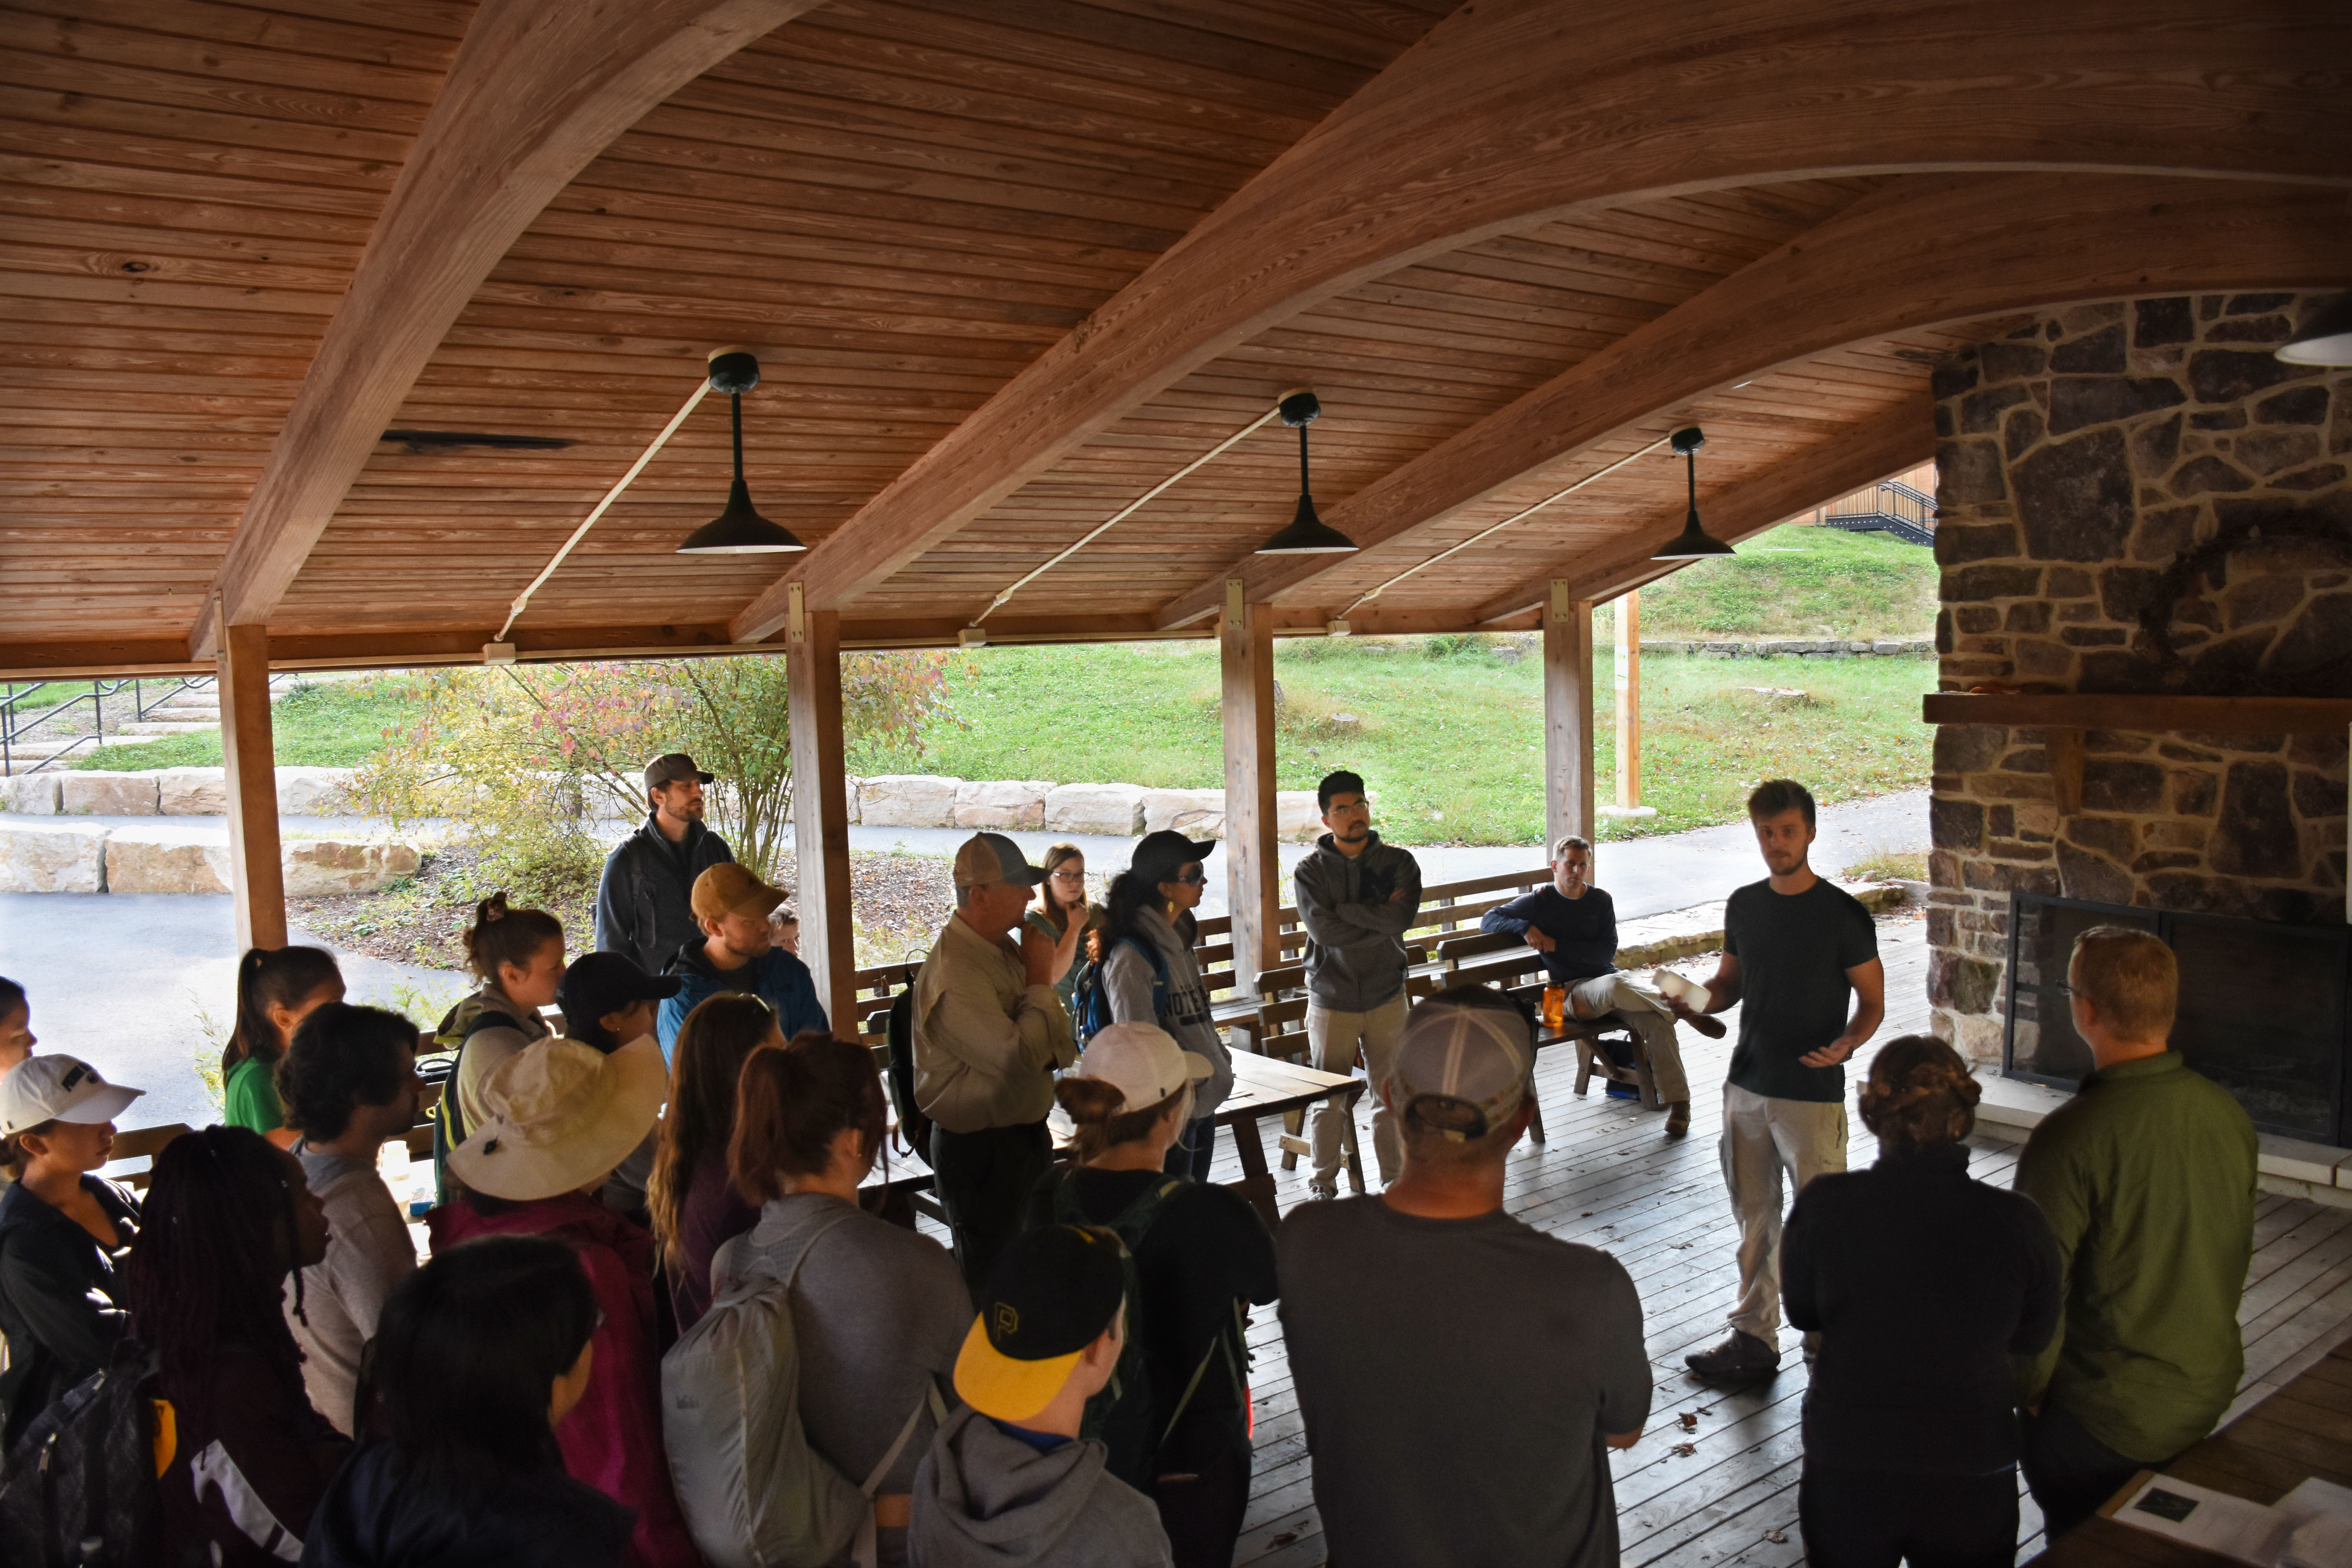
1077	878
1195	877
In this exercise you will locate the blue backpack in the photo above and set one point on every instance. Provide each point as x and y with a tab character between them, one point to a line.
1093	1010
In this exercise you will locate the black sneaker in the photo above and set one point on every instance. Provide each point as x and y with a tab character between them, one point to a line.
1741	1355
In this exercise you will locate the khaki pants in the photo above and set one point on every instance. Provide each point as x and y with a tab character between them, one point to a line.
1335	1039
1646	1013
1761	1139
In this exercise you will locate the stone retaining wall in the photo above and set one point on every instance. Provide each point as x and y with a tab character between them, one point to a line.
2137	496
68	856
1793	648
1113	810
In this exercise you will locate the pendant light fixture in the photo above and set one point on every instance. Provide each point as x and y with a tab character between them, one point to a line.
2327	341
739	530
1308	534
1693	543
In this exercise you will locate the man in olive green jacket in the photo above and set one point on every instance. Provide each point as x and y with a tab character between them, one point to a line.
2148	1178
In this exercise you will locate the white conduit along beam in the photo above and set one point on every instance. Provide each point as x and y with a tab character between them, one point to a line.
1602	473
1131	508
522	599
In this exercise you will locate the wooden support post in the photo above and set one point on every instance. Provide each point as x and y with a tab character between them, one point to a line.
2062	746
1629	699
258	878
1567	717
1253	867
820	810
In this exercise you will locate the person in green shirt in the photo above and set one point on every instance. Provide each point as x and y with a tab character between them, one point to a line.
276	990
2146	1177
1059	922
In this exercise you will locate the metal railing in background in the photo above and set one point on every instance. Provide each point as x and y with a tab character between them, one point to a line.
1889	506
24	712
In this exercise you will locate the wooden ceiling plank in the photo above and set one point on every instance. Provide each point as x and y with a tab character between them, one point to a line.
1939	248
1514	111
533	95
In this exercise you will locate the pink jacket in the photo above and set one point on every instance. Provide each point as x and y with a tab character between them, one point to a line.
612	1440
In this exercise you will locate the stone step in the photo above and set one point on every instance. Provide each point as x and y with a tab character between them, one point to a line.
186	712
153	728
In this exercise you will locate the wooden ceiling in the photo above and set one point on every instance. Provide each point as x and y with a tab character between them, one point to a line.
1009	264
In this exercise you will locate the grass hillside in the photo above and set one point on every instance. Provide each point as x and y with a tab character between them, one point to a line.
1800	583
329	724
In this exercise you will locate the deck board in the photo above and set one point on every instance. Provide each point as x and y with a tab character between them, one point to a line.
1607	1179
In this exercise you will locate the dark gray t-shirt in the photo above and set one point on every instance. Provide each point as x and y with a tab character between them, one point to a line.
1794	998
1456	1377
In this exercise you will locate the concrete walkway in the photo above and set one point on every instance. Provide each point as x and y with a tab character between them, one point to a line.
126	980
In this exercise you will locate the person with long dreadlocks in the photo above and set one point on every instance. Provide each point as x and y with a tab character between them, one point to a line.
243	1458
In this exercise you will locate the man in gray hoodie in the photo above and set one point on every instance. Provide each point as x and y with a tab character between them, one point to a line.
1008	1482
1357	897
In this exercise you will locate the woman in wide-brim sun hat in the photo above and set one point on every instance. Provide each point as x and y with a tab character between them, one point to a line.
559	1115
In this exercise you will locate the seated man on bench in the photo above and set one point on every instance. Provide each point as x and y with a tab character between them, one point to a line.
1573	925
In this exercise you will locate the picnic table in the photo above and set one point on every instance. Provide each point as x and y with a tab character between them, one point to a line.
2302	1430
1264	1088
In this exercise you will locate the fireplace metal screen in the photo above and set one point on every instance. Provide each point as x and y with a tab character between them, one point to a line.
2262	1007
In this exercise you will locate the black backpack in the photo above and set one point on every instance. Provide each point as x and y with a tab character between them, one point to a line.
1091	1015
78	1489
914	1127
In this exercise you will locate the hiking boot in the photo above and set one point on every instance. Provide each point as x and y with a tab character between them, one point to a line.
1743	1355
1678	1119
1712	1027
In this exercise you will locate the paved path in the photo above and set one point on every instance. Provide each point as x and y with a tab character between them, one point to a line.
124	979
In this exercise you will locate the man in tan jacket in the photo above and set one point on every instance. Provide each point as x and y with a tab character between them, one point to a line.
989	1031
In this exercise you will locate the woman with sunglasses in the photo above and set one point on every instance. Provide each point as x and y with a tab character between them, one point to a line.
1149	977
1061	919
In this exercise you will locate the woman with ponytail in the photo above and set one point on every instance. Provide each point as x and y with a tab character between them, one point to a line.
243	1458
518	956
276	990
1178	1427
1920	1283
879	1311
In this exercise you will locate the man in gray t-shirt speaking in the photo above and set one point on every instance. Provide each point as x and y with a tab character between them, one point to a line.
1462	1375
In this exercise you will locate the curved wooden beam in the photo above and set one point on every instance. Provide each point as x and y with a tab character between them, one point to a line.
539	88
1512	112
1888	443
1941	248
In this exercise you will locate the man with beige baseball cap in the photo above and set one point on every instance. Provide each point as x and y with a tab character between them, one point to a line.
988	1032
736	952
558	1116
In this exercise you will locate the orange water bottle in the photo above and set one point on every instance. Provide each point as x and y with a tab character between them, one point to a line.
1555	1006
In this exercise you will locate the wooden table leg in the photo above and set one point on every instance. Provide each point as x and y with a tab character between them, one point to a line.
1257	1182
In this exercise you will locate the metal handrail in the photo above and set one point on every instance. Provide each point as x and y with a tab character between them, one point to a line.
14	724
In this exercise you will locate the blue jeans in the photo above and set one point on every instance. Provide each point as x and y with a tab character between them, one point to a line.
1189	1156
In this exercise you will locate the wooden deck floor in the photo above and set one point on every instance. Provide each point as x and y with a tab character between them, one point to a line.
1722	1493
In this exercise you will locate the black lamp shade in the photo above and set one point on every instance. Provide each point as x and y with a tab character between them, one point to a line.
2327	341
1693	543
738	530
1307	535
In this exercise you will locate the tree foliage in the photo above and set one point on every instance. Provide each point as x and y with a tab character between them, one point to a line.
528	757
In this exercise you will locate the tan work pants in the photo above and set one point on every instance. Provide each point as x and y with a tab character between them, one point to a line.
1335	1039
1762	1139
1646	1013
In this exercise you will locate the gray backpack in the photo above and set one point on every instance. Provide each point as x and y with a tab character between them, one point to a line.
754	1494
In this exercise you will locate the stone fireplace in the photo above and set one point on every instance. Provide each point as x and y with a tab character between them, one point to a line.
2145	533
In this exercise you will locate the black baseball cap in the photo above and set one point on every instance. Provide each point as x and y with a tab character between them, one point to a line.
602	983
1158	855
673	767
1053	1292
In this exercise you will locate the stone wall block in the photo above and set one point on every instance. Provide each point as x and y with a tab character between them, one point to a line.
2086	874
2157	322
2110	836
95	794
192	791
314	792
66	857
30	794
2075	498
1297	817
167	860
1955	824
2111	785
1969	473
1115	809
2256	834
1000	803
324	868
2228	375
908	800
1195	813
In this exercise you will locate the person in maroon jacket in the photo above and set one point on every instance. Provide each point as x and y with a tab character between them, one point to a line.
558	1116
243	1458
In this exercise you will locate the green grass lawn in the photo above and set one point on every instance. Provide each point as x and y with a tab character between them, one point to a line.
1798	582
1451	745
324	724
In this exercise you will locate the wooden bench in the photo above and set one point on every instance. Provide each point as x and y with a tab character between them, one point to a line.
143	1143
1503	959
